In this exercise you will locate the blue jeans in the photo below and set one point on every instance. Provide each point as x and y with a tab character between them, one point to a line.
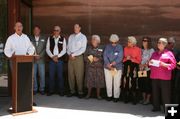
53	69
39	68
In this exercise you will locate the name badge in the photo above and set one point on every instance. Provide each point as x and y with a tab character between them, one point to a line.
42	40
164	56
100	50
60	42
116	53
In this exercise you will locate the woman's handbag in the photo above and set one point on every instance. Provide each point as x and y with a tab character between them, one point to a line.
142	74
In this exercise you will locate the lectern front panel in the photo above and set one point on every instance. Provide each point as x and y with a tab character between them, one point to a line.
24	86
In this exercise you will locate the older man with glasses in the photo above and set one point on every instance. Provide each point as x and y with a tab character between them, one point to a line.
56	48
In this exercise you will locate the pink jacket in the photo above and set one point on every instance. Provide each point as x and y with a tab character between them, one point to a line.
163	73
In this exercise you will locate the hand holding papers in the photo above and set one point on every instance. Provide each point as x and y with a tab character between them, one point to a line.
90	57
155	63
113	71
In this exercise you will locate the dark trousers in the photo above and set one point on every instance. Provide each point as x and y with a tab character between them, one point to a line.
56	68
161	90
177	87
145	84
129	92
130	74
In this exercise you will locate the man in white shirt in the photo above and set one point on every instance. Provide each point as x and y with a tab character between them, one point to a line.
18	43
39	42
77	43
56	48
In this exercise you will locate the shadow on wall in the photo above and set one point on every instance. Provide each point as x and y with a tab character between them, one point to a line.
139	18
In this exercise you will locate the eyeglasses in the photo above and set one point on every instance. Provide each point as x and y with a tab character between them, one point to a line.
160	42
56	30
170	43
145	40
114	42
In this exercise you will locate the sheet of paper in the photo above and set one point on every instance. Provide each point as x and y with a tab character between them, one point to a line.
113	72
154	63
90	57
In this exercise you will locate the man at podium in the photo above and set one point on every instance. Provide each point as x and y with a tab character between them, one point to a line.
18	43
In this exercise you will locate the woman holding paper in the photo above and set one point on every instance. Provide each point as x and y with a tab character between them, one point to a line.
94	66
144	80
113	56
162	63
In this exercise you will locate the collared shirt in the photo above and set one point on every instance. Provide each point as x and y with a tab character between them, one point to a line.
56	50
37	40
160	72
1	47
146	55
113	54
134	53
76	44
18	44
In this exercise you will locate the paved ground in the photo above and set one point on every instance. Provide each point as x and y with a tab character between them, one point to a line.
56	107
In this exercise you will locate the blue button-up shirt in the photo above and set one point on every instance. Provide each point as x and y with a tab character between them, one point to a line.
113	54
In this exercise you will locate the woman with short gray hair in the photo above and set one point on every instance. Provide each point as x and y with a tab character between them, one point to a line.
162	63
131	60
94	75
113	56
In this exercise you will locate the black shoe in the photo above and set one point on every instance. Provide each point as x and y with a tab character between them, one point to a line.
109	98
87	96
42	92
155	110
134	102
71	94
80	96
61	94
34	104
99	97
115	100
49	94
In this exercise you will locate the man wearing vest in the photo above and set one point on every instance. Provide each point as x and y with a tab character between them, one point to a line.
56	48
39	43
77	43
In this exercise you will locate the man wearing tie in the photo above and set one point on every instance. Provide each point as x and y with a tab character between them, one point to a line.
56	48
39	43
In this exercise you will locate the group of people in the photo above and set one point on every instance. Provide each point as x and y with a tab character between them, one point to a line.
125	72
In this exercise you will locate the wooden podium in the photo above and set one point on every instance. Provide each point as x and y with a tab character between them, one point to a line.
22	84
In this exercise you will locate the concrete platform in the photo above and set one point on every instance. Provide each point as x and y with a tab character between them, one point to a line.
56	107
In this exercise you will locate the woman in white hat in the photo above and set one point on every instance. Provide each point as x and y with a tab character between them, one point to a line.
113	56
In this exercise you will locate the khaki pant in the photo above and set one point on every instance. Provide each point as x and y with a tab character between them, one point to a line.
76	73
113	83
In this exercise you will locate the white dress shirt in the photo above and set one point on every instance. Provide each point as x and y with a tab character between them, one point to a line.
56	50
37	40
18	44
76	44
